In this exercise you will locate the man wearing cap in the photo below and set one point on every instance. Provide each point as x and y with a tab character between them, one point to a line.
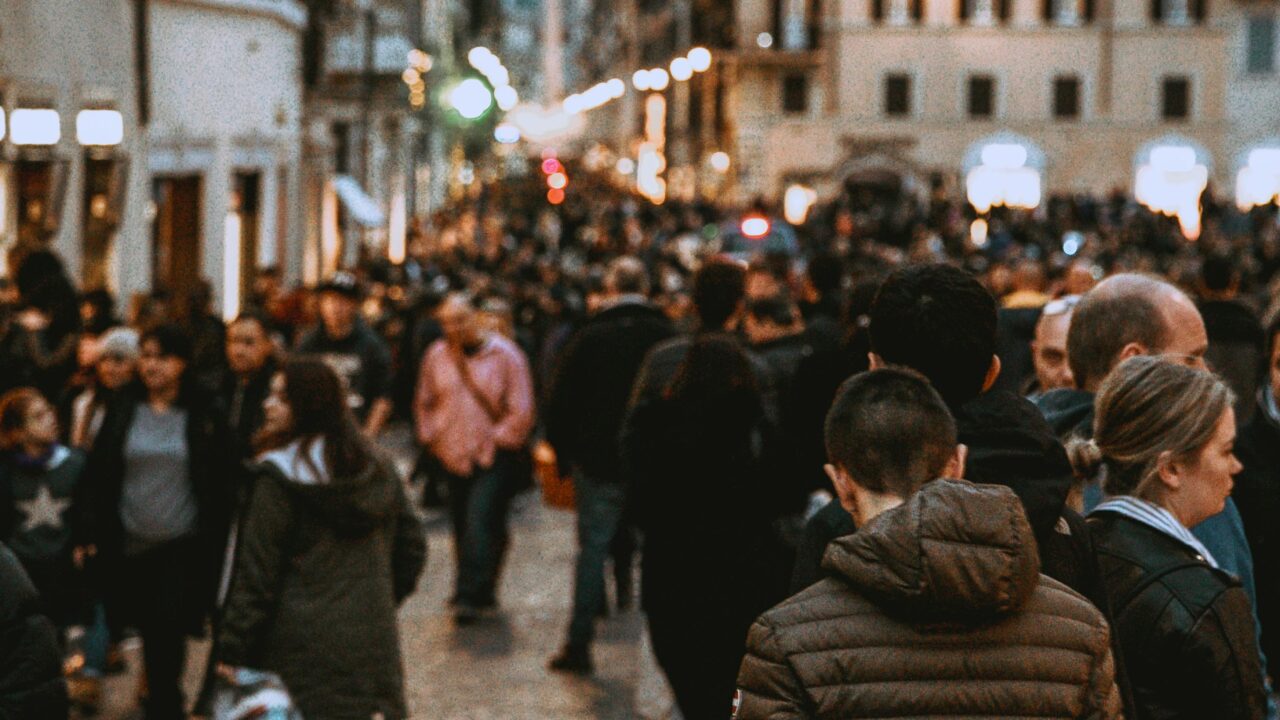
353	350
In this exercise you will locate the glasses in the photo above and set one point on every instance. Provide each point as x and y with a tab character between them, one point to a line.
1061	306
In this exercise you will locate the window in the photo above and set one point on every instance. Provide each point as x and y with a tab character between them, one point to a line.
795	94
897	95
1260	46
1175	100
982	91
1066	97
877	10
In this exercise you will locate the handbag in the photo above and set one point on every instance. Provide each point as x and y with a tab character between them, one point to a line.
522	462
254	695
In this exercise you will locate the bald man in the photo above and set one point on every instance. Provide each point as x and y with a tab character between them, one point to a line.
1125	316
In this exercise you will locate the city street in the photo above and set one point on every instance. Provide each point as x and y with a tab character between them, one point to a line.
497	668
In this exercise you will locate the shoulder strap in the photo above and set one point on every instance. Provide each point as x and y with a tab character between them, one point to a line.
460	363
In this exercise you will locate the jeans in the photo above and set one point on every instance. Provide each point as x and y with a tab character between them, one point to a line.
600	507
478	505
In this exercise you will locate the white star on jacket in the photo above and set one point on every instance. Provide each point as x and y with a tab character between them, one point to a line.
43	510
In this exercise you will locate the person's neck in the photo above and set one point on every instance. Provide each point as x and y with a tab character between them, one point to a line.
873	505
162	399
249	376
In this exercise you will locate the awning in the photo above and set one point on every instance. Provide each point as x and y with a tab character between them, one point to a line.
363	208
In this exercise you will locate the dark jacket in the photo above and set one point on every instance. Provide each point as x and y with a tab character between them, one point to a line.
31	684
1185	629
1257	496
320	571
1009	444
362	359
1237	350
243	402
935	608
592	383
214	474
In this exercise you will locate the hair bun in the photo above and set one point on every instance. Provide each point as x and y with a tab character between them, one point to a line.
1085	457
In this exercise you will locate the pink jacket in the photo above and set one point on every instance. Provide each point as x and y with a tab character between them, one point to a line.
453	424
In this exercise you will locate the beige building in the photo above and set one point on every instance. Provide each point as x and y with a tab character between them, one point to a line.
914	89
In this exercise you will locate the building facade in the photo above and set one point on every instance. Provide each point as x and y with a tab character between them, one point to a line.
828	92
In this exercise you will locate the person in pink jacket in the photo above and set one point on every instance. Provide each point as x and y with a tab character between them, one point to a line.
474	410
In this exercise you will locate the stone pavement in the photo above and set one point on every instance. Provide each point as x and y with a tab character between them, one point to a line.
497	669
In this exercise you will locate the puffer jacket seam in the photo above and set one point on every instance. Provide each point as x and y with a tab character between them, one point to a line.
958	646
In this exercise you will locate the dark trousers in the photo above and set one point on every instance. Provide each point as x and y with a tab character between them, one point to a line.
157	583
700	654
478	505
600	514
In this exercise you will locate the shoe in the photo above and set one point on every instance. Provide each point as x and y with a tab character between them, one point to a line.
575	660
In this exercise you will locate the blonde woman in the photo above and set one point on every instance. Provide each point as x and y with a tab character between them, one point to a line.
1163	446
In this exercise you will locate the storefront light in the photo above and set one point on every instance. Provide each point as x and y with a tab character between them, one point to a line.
35	127
99	127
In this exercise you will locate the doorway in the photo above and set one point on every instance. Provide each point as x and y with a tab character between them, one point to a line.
175	237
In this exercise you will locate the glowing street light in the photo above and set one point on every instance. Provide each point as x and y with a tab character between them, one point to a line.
796	203
681	69
506	97
764	40
471	98
1171	181
640	79
659	79
719	162
507	134
755	227
700	59
1258	182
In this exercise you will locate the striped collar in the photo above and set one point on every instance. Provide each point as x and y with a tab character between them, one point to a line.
1157	518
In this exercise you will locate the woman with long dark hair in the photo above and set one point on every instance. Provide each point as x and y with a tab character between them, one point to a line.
328	549
158	492
700	463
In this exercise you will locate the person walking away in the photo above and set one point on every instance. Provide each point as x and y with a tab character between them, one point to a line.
31	684
1257	494
355	352
935	599
583	416
474	410
700	459
1164	434
159	489
1236	345
329	548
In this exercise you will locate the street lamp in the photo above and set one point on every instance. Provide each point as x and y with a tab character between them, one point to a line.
471	98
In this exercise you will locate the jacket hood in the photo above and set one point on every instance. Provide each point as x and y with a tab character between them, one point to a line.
955	553
1010	444
353	506
1068	411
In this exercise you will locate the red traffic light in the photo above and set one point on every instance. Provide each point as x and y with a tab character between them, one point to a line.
555	196
551	166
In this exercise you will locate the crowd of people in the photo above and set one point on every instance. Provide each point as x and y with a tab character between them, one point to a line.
916	463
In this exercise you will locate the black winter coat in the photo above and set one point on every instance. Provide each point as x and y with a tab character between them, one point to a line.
320	571
215	474
31	684
1184	628
592	384
1257	496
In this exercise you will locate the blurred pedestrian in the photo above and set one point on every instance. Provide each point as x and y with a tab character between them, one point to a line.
251	360
583	417
474	410
1049	348
160	484
700	459
328	550
355	352
1164	434
1236	346
886	636
31	684
114	370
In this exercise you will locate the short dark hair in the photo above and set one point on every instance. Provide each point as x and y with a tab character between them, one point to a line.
253	315
627	275
1108	318
778	309
1218	272
172	340
890	430
940	321
718	289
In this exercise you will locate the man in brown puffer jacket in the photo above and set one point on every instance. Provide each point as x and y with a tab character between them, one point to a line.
936	606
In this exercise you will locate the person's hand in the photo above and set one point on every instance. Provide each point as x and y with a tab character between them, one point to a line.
226	672
83	553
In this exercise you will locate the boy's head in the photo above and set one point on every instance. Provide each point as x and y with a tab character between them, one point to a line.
888	433
938	320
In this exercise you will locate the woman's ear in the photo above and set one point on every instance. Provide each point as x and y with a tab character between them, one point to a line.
955	466
1169	469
